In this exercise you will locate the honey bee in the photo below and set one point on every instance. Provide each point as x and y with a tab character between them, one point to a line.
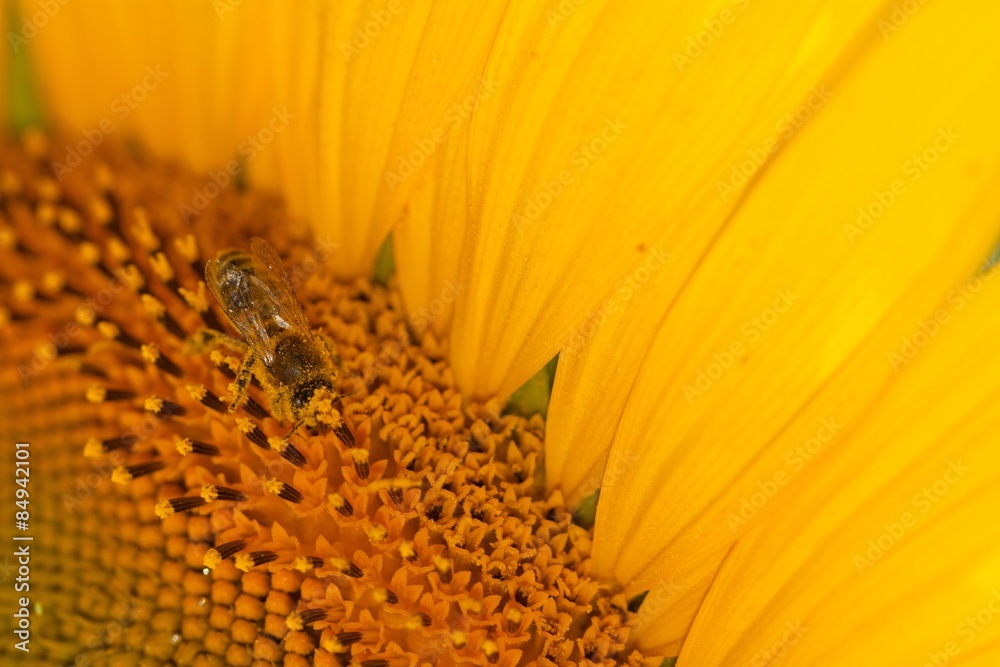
296	366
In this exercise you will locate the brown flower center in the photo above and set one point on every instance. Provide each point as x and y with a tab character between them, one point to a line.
173	529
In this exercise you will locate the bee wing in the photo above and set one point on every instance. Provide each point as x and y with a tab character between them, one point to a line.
269	264
253	299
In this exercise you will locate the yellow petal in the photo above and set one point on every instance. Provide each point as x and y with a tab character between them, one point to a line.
425	178
191	80
428	242
598	143
884	552
697	158
789	292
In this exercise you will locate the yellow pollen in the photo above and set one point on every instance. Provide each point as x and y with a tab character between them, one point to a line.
143	232
96	394
245	425
93	449
212	559
45	214
23	291
197	300
153	306
187	247
53	281
376	533
161	266
153	404
90	253
150	353
108	329
244	562
196	391
85	315
69	221
8	239
118	250
131	277
163	509
184	446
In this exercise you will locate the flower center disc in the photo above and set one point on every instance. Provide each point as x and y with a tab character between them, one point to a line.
171	529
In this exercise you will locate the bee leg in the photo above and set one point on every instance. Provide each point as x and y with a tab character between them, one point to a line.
243	377
208	339
295	427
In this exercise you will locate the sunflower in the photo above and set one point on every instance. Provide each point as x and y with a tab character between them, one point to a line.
666	333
